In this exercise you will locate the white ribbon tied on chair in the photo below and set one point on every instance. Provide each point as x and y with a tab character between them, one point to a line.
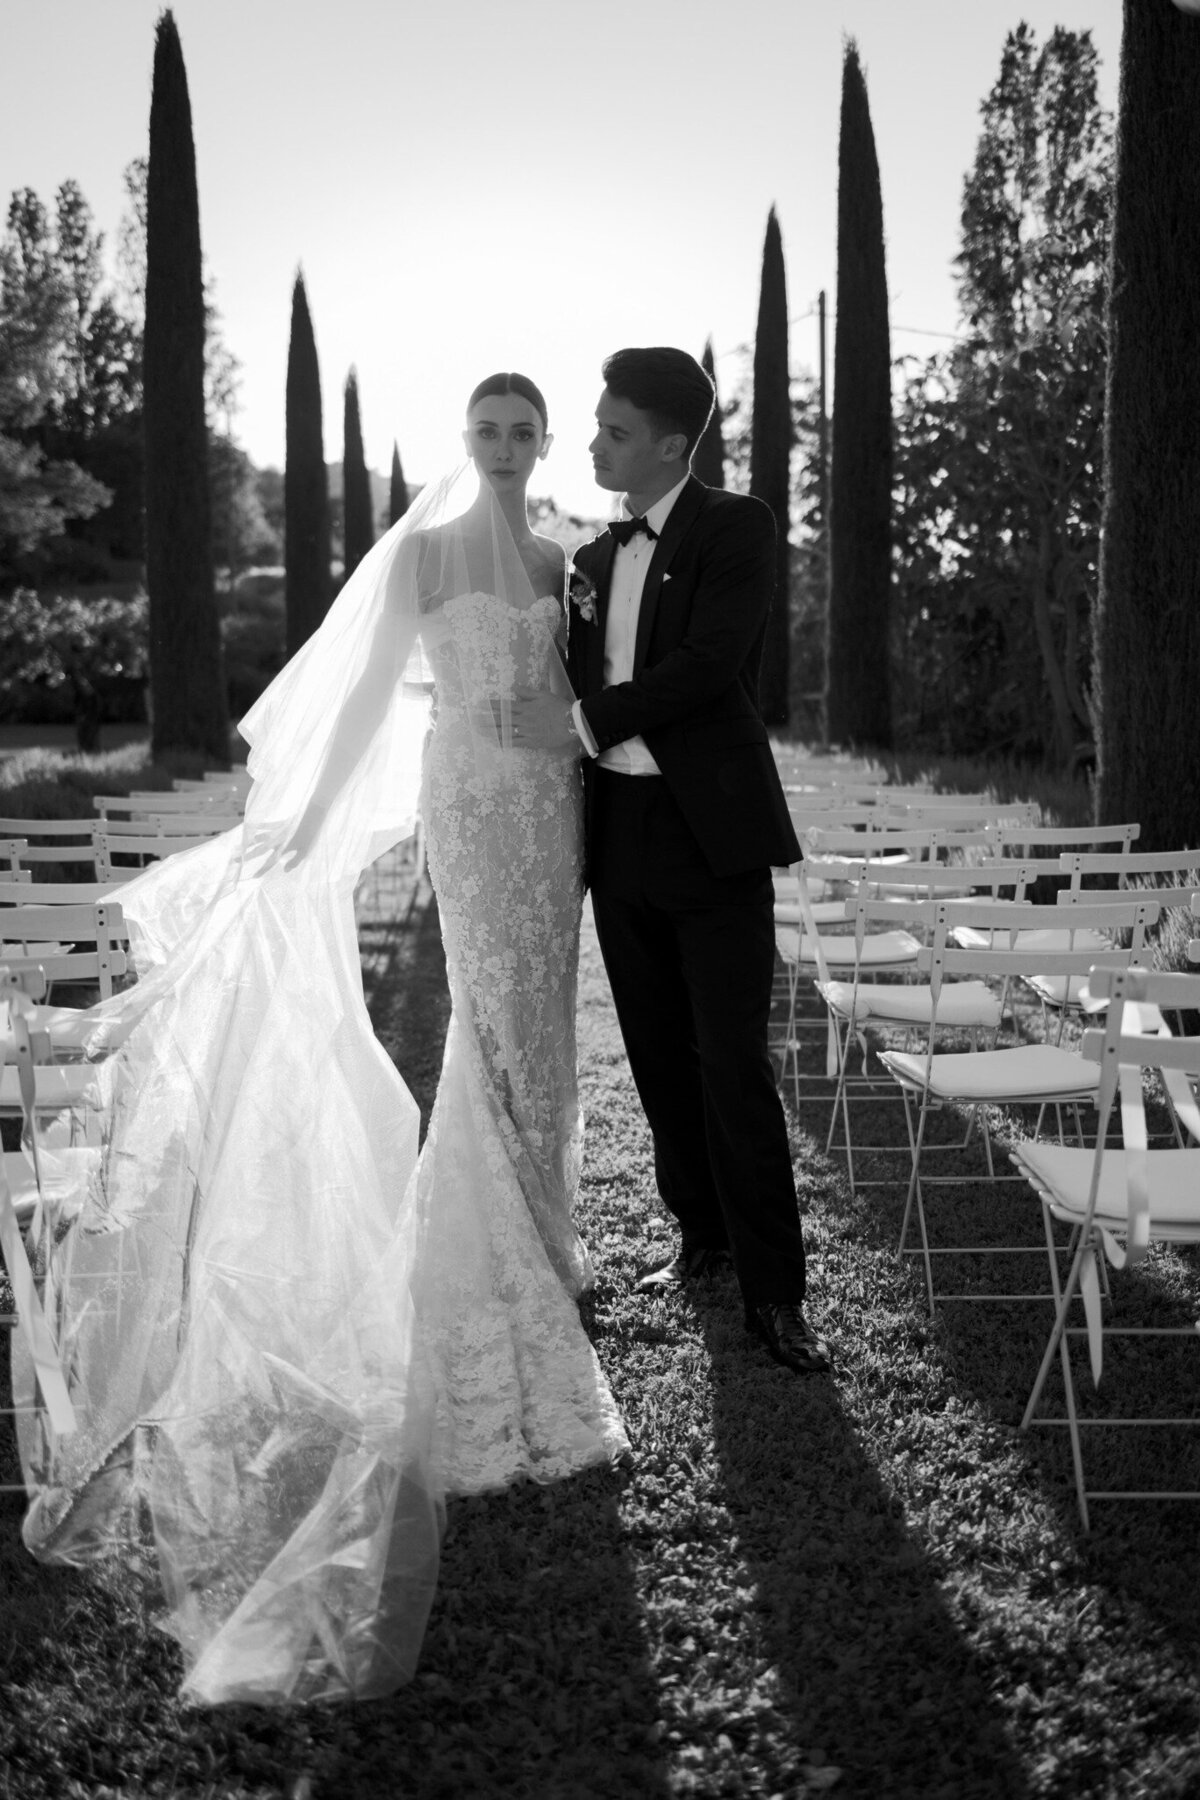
31	1319
1139	1020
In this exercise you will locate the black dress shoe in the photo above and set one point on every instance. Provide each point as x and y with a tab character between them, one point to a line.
689	1265
789	1337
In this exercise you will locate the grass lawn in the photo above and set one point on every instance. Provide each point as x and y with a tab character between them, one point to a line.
871	1585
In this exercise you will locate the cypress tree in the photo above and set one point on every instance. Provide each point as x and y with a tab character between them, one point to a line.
770	462
187	684
398	488
358	514
1146	680
708	461
306	549
858	691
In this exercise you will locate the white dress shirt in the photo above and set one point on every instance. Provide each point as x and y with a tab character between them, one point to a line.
630	563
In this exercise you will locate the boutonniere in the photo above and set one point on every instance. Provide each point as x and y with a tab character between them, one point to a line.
583	595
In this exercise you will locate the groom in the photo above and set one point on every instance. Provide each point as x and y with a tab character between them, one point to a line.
685	816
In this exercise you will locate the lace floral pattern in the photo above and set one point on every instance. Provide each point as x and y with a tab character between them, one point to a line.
519	1387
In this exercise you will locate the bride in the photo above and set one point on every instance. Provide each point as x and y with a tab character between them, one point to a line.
286	1337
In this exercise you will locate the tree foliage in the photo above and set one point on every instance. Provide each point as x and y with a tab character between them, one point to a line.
83	648
1147	631
358	513
998	474
708	461
187	685
397	488
39	491
808	547
306	545
770	462
858	692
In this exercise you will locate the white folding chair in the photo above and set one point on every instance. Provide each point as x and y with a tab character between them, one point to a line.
117	839
1024	1075
165	802
40	1180
65	842
1119	1203
803	949
905	1006
1022	840
94	953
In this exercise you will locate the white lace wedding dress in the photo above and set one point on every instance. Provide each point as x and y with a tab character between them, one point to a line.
285	1342
519	1388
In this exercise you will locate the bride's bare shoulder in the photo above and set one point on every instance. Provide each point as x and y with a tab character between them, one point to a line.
552	563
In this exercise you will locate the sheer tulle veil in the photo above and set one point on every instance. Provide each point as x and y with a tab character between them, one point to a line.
232	1290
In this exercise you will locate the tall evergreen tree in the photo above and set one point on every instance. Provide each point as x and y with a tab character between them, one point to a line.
708	462
398	488
306	548
858	690
770	459
358	513
1146	688
186	680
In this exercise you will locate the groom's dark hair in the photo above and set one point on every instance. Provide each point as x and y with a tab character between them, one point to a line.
668	384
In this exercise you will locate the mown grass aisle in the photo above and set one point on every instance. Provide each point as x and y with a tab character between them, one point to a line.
869	1585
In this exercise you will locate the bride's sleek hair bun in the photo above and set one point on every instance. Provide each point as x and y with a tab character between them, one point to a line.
667	383
509	382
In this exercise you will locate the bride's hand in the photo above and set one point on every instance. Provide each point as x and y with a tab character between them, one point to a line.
542	721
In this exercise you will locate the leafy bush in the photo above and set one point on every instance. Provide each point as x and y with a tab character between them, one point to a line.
71	657
253	633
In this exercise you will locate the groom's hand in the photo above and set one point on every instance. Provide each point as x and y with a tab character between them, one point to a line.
542	721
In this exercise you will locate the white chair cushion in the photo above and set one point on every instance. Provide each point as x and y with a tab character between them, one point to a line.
824	912
56	1085
1066	990
970	937
962	1002
1064	1175
785	886
908	890
883	949
1031	1072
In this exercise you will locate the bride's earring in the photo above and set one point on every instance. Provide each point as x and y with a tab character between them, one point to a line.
545	449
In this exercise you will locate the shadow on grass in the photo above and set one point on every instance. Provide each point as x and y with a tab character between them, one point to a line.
994	1348
534	1678
995	1507
878	1676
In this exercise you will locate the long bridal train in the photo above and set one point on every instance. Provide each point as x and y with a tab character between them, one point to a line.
286	1337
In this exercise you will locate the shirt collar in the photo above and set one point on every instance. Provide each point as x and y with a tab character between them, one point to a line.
656	515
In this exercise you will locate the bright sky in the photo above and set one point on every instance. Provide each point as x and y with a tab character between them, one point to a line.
472	186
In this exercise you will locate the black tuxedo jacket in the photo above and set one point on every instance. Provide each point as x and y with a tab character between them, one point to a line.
694	692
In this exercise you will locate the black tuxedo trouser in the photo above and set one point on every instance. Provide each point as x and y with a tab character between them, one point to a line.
690	959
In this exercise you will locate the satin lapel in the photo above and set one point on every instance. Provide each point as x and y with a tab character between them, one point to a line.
606	549
680	519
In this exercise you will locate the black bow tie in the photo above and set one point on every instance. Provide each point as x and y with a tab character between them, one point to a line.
625	529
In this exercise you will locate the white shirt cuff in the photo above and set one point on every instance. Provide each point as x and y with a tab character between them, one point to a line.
583	730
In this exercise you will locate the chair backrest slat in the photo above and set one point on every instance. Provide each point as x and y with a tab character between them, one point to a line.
1023	837
43	828
1077	864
